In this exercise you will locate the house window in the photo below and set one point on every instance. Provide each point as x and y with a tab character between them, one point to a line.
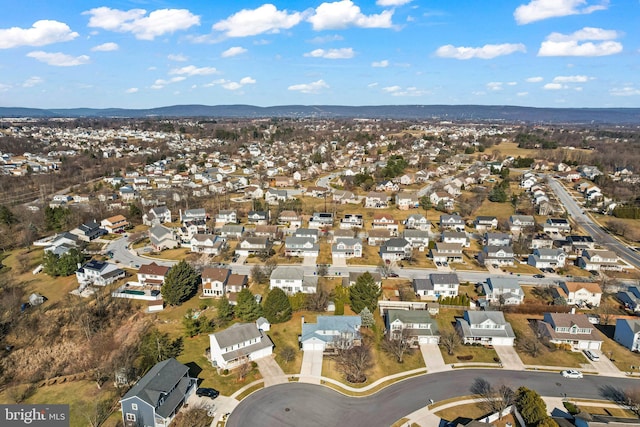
134	406
131	417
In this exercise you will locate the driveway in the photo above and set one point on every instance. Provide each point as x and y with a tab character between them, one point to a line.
271	371
433	358
309	261
339	262
311	366
604	366
509	357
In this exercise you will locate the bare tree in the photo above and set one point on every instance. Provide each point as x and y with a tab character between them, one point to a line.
317	301
196	415
354	363
493	399
287	353
243	369
450	340
397	344
531	346
384	269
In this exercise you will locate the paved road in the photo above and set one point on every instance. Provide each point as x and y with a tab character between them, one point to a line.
296	404
594	230
122	255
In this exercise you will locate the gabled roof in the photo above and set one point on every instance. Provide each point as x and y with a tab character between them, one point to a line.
215	274
589	286
335	324
153	269
160	379
236	334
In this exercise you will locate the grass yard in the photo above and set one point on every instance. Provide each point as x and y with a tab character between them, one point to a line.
614	412
325	254
370	256
173	254
286	334
480	354
500	210
572	270
546	356
621	356
518	268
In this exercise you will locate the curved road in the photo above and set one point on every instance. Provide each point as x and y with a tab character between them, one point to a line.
594	230
297	404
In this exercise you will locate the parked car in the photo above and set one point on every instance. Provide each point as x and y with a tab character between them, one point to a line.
591	355
393	274
539	276
572	373
207	392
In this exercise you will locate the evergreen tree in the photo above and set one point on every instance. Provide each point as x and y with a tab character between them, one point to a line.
277	308
224	311
63	265
180	284
366	318
247	308
364	293
531	406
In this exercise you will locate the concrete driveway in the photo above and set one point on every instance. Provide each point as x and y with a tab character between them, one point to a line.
433	358
604	366
309	261
271	371
509	357
311	366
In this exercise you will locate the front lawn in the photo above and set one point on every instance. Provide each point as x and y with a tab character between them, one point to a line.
370	256
286	334
621	356
173	254
446	319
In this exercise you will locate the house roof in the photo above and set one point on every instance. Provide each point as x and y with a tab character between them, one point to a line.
153	269
237	333
116	218
160	379
566	320
589	286
445	278
215	274
283	272
324	324
503	283
410	316
237	280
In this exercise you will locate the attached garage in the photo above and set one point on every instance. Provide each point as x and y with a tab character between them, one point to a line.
502	341
428	340
313	344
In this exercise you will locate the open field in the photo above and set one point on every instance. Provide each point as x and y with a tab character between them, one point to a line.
502	211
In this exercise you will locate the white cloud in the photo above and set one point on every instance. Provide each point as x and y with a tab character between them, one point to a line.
557	44
132	90
32	81
343	53
393	3
42	33
265	19
137	22
537	10
625	91
487	51
313	87
105	47
391	89
380	64
536	79
233	51
400	91
59	59
247	81
375	84
326	39
160	83
494	85
192	70
571	79
344	14
554	86
231	85
177	57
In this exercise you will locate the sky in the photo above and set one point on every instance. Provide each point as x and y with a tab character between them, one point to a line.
144	53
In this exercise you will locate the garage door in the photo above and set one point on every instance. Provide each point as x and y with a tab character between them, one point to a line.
594	345
312	346
428	340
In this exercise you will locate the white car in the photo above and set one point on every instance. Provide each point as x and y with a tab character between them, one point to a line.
572	373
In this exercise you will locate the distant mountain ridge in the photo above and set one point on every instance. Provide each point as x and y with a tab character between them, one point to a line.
504	113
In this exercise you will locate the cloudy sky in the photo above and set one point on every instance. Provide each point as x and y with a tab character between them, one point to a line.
145	53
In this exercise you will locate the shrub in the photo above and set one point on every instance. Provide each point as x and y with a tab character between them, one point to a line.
466	357
573	409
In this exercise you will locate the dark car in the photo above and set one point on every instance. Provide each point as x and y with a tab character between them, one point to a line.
393	275
539	276
208	392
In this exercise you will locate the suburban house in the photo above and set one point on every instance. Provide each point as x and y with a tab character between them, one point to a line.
158	396
485	327
98	273
193	215
89	231
547	258
238	344
376	200
441	199
630	298
207	244
497	239
258	217
292	279
226	216
407	200
556	225
274	195
60	244
232	231
418	222
599	260
321	220
115	224
419	239
580	243
290	218
437	285
253	246
162	237
236	283
157	215
347	248
301	247
459	237
580	293
307	233
451	222
628	333
485	223
343	197
519	222
330	333
214	281
415	326
446	252
272	232
352	278
385	222
503	291
152	274
543	241
341	234
378	237
570	329
395	250
496	255
351	221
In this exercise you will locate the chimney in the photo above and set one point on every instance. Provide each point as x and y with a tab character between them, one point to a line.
302	319
573	310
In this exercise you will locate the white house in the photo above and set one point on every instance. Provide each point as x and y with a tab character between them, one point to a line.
437	285
485	327
580	293
98	273
238	344
214	281
547	258
292	279
347	248
570	329
503	289
416	326
599	260
330	333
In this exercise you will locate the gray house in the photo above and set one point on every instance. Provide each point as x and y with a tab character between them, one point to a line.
158	396
630	298
628	333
